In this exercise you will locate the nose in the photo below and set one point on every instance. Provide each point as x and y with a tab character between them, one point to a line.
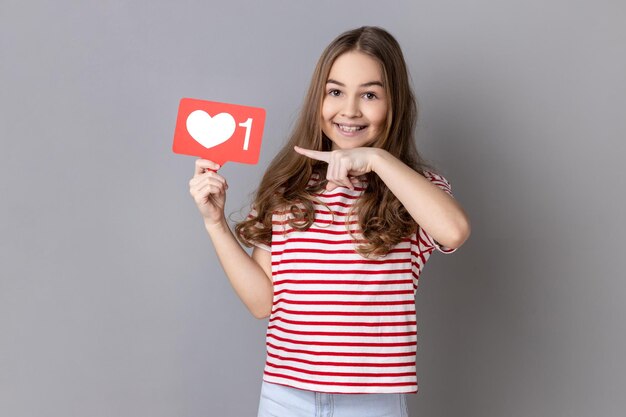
351	108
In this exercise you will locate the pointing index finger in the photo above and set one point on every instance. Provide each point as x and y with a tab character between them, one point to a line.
319	155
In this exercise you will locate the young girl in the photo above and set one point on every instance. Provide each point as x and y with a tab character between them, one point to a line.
343	221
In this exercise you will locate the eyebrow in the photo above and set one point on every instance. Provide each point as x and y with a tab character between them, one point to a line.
368	84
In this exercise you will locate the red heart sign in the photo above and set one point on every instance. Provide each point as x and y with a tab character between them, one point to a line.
220	132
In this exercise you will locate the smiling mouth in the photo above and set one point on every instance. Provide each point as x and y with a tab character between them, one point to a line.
349	128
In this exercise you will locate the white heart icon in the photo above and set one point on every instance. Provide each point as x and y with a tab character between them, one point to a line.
210	131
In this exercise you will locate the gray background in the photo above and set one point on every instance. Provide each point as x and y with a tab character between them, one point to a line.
112	302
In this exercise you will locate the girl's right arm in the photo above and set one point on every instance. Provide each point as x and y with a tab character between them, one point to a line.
249	276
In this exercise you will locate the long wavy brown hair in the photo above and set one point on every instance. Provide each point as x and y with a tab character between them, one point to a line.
382	219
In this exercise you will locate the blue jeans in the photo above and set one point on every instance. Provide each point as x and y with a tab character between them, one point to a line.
282	401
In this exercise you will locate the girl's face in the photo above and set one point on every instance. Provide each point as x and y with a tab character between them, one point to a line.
354	108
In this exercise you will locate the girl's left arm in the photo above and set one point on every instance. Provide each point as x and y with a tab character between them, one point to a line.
438	213
433	209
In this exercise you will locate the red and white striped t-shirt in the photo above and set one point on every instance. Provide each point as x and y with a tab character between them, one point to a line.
342	323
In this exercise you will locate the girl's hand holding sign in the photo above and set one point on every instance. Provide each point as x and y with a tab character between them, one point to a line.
208	190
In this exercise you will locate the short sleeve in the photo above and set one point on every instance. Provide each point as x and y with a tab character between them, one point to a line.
424	237
252	214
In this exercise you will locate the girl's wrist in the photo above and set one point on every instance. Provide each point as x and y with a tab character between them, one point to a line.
219	226
379	158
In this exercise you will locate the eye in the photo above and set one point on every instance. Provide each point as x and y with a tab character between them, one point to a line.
334	92
370	96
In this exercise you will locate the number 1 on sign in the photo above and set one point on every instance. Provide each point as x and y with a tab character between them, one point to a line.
248	125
